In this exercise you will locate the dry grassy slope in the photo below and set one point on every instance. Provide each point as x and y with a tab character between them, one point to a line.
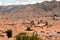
50	8
40	9
30	11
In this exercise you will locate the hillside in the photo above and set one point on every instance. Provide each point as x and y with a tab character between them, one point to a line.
32	10
41	18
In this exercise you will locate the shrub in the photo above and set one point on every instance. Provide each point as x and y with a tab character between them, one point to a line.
29	29
26	37
9	33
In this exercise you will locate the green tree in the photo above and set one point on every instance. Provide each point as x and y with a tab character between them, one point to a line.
26	37
29	29
9	33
